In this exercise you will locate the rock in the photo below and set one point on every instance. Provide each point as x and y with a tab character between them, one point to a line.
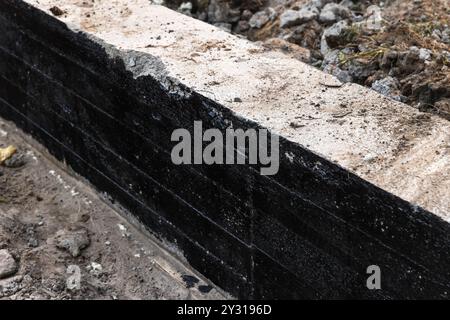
409	61
17	160
289	18
437	34
288	48
342	75
445	36
246	15
308	13
389	59
258	20
361	70
443	106
224	26
373	19
218	11
319	3
234	15
334	36
57	11
10	286
425	54
333	12
347	3
242	26
185	8
8	266
307	35
32	240
72	241
331	65
203	16
445	55
95	269
389	87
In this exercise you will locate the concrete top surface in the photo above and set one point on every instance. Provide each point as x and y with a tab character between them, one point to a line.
388	143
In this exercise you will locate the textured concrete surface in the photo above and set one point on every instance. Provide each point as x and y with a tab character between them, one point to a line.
390	144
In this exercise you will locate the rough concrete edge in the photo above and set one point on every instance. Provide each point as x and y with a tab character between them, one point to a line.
141	65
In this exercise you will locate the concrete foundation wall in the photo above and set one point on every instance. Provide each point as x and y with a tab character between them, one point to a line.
308	232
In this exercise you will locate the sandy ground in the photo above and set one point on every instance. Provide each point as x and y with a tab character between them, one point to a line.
67	243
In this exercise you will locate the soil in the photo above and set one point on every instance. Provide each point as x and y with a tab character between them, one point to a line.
67	242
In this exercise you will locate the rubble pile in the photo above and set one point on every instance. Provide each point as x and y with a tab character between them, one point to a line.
399	48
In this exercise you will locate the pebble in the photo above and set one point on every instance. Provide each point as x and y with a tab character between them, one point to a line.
333	12
258	20
333	36
17	160
388	86
8	265
289	18
72	241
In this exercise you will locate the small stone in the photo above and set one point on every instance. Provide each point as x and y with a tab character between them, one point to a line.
308	13
347	3
374	19
33	243
289	18
445	36
124	231
258	20
72	241
369	157
96	269
331	65
437	34
246	15
409	61
218	11
319	3
334	36
11	286
17	160
185	8
242	26
389	59
8	266
333	12
388	86
296	125
56	11
443	106
425	54
234	15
